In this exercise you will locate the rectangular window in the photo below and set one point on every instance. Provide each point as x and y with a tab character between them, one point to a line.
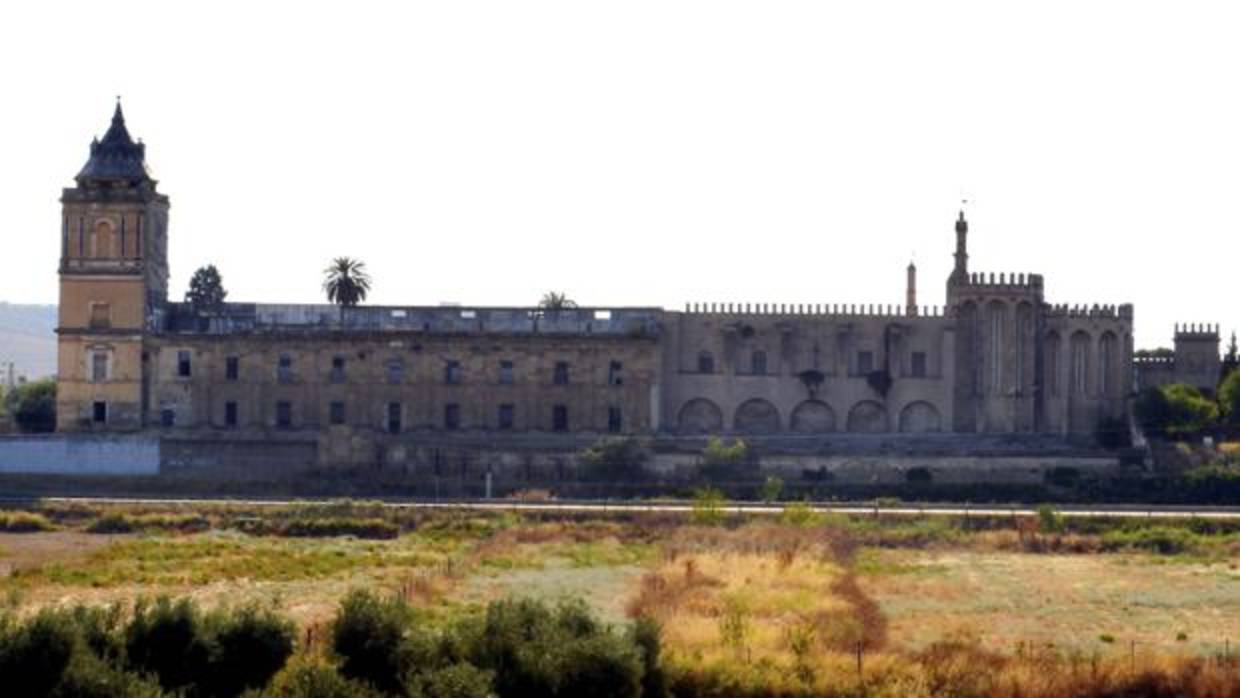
505	373
232	368
393	417
452	372
100	413
167	417
452	417
615	373
559	418
337	375
560	376
335	413
230	414
183	363
865	363
918	367
507	416
284	369
284	414
99	366
100	315
395	371
614	423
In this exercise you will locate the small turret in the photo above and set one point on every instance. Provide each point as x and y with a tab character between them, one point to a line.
910	296
960	273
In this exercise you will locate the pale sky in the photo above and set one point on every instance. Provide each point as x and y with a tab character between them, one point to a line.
648	153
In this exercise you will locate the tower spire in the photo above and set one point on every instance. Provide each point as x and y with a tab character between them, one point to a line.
960	273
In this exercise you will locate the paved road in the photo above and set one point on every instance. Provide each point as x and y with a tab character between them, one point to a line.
1110	511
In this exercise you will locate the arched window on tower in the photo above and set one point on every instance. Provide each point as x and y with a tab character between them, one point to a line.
101	241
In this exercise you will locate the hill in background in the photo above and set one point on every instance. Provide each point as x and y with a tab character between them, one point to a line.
28	339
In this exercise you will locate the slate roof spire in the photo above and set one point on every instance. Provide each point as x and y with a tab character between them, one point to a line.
116	158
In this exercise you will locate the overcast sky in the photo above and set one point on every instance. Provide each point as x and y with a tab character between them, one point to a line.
634	153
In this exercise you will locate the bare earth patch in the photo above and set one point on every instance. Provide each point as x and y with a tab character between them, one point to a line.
1072	601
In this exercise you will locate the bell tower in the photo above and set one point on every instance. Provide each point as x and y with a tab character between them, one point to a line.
113	284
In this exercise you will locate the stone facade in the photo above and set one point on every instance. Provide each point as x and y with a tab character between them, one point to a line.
996	358
1194	360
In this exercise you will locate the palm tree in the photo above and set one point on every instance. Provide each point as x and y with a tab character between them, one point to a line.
556	301
346	282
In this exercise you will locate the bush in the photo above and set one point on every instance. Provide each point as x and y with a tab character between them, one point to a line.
717	453
369	636
648	637
1229	397
25	522
1049	519
35	655
111	523
708	506
169	640
250	646
1158	539
801	515
1175	410
33	406
772	488
374	528
454	681
315	679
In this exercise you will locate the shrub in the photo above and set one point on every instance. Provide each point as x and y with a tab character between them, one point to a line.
250	646
111	523
369	635
324	527
772	488
1159	539
1049	519
615	460
315	679
717	453
25	522
801	515
708	506
33	406
87	676
648	637
169	640
34	655
454	681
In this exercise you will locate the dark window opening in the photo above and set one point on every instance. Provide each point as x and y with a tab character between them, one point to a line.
614	423
706	362
560	376
757	363
284	369
865	362
559	418
615	373
452	372
507	416
336	413
337	375
232	368
167	418
505	373
452	417
183	364
100	413
230	414
284	414
395	371
393	417
918	368
99	366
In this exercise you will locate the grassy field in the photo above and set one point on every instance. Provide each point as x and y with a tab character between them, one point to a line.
805	601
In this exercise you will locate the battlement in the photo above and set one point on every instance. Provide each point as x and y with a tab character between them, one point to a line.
1153	360
1005	281
1065	310
250	317
850	310
1197	331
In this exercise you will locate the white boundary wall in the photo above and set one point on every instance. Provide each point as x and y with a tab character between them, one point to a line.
79	455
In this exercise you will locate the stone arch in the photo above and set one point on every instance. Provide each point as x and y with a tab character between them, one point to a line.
756	416
1108	363
700	416
1079	368
1051	361
101	240
813	417
920	417
868	417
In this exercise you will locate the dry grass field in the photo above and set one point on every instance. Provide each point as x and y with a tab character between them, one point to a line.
805	605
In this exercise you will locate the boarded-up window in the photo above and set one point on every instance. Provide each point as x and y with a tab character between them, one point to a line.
100	315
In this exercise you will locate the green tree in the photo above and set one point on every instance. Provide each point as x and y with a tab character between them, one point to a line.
346	282
553	300
33	406
206	292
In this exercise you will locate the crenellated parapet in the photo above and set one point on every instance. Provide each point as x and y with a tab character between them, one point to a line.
1095	311
1003	281
848	310
1195	330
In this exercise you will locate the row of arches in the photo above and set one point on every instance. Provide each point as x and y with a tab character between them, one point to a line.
758	416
